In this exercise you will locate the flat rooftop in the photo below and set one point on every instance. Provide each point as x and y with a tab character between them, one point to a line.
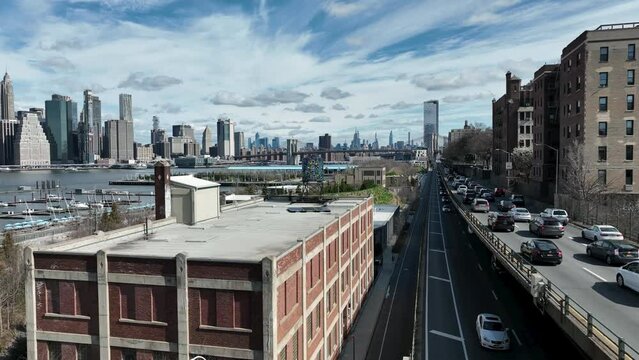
245	235
382	214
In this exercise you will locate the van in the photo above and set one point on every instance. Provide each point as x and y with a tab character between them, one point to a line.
480	205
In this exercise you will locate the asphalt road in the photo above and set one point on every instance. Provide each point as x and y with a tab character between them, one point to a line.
590	282
393	335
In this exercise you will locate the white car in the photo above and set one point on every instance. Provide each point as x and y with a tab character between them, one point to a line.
601	232
481	205
628	276
461	189
520	214
559	214
491	332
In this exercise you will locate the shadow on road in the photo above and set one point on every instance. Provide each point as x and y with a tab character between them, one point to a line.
621	296
584	258
526	234
581	240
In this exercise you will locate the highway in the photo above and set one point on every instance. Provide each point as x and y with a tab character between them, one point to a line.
590	282
457	283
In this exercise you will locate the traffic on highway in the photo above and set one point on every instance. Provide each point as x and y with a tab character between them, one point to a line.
595	266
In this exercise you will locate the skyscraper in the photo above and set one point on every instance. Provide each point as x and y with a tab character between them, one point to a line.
92	111
185	131
31	145
118	136
156	122
275	143
356	143
207	140
225	138
291	149
239	142
7	110
431	125
60	111
7	139
390	139
126	107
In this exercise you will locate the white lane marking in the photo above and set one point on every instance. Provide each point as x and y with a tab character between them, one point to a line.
593	274
494	295
516	337
437	250
449	336
479	266
387	292
452	290
438	278
435	233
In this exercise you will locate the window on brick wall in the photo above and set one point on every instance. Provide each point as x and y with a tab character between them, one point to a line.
127	301
630	152
630	77
295	347
603	103
160	355
228	309
631	52
54	350
601	176
53	296
630	127
603	128
630	102
344	242
128	354
603	79
82	352
603	54
283	353
602	153
629	177
309	327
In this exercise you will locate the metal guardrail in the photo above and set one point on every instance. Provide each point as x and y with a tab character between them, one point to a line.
550	295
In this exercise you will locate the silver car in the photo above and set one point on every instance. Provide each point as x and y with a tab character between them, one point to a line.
559	214
520	214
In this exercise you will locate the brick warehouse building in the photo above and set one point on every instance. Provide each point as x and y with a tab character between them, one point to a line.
264	282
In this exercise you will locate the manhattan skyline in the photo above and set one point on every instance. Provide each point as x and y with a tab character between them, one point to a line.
301	76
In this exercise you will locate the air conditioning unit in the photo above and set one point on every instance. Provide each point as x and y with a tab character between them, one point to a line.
628	188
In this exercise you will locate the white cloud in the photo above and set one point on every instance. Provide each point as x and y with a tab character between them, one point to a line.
339	107
358	116
334	93
139	81
320	119
308	108
343	9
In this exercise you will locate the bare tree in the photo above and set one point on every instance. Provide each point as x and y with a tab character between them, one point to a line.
581	180
522	162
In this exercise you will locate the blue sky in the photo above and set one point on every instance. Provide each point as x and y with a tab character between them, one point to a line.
290	68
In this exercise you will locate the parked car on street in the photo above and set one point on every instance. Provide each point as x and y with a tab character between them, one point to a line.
601	232
541	251
559	214
628	276
481	205
518	200
491	332
505	205
545	226
613	251
499	192
520	214
501	221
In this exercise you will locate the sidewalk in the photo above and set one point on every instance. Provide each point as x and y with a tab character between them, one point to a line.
356	345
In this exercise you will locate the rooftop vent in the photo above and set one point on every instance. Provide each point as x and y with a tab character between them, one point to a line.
308	209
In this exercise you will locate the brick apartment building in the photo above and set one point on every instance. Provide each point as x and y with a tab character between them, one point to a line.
512	123
598	103
545	85
268	281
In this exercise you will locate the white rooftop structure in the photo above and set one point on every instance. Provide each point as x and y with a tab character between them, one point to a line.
383	213
192	182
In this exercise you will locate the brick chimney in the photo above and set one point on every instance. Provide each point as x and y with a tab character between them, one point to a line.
162	189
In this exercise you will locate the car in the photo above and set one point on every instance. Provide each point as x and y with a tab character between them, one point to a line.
499	192
613	251
480	205
520	214
488	196
518	200
546	226
468	198
501	221
477	188
601	232
445	200
491	332
483	191
461	189
628	276
559	214
505	205
541	251
447	208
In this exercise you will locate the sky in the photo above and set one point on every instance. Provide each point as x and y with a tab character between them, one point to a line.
290	68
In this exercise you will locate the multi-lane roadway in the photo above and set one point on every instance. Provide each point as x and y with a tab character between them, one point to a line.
589	282
456	282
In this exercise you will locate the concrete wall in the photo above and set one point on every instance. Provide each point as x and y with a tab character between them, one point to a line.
207	204
181	205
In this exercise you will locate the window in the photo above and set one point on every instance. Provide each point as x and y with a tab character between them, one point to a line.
603	153
127	302
83	352
578	85
521	129
159	355
55	350
601	176
128	354
578	107
283	353
603	103
630	102
630	77
527	129
577	130
630	127
53	296
603	54
569	87
603	79
628	177
578	59
629	152
309	327
631	51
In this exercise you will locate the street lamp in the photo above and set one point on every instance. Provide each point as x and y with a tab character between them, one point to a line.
507	170
556	197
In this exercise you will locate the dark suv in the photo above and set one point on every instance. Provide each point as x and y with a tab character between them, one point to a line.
518	200
500	221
